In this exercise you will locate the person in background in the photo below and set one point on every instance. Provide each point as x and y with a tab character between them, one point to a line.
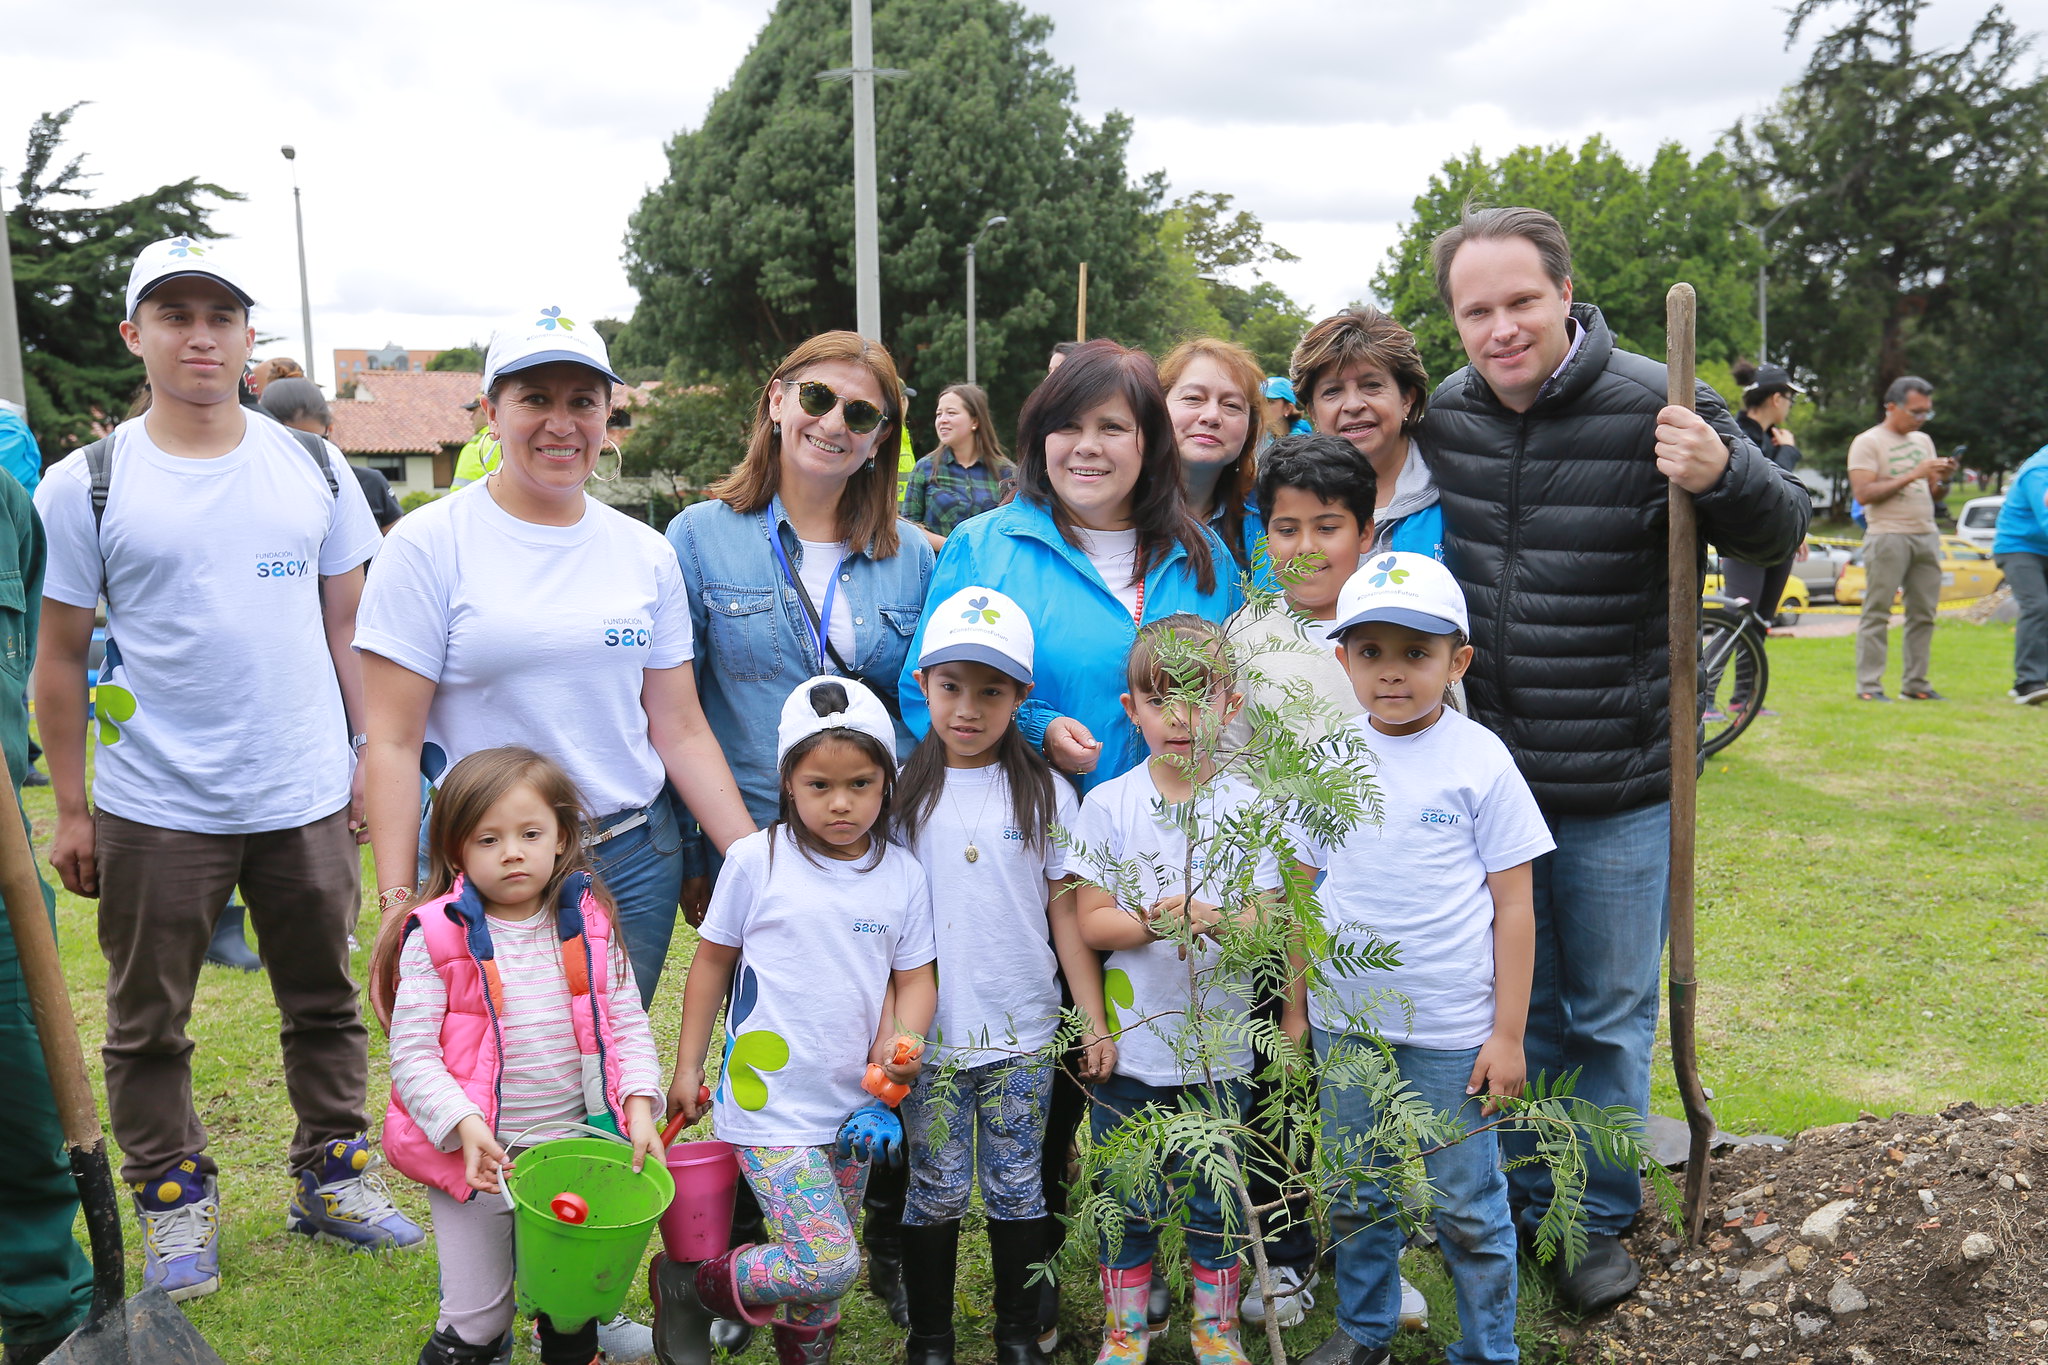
269	371
1554	453
1898	478
1282	410
23	458
968	474
1365	382
1212	391
2021	549
299	404
1767	394
482	454
1060	351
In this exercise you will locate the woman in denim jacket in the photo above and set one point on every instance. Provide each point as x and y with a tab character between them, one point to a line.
1097	542
804	530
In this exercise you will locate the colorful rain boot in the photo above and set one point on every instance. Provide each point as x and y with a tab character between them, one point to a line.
341	1199
1212	1326
808	1344
718	1289
180	1213
1124	1339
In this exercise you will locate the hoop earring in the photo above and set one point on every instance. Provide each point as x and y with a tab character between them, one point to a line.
618	463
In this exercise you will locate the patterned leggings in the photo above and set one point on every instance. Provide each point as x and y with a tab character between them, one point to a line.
809	1200
996	1111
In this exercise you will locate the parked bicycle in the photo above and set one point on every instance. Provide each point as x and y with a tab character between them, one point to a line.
1734	670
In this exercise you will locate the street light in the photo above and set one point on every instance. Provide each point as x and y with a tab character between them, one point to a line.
867	270
996	221
1763	314
305	296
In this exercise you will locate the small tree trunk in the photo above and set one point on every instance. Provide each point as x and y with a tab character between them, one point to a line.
1260	1270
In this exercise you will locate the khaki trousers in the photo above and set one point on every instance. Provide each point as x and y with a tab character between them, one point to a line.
1891	561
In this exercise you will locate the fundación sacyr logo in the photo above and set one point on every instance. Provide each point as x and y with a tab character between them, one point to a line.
185	246
551	319
980	612
1387	573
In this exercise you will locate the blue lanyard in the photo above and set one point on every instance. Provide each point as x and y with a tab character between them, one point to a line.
820	629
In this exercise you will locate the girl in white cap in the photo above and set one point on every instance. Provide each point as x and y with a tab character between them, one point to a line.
978	804
822	918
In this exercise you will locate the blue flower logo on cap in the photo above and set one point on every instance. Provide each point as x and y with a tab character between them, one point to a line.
979	612
183	246
551	318
1388	573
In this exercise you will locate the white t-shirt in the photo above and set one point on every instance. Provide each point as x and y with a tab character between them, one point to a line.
822	559
1122	822
818	939
1455	809
535	635
218	709
1115	556
1286	662
999	992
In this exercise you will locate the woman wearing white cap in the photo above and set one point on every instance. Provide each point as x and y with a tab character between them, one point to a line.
522	610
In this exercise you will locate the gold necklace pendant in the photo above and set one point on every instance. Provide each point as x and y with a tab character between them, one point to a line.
973	854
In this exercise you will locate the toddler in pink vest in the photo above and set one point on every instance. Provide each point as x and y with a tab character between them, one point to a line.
511	1013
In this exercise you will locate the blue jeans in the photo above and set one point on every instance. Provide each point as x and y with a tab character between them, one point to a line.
1475	1231
1602	908
643	870
1115	1100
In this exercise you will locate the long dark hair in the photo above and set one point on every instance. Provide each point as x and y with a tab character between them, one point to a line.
830	699
1090	377
1032	799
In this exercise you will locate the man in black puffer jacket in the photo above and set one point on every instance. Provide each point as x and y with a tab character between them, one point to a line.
1552	453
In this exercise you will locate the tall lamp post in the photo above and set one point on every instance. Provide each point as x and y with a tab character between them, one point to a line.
305	295
996	221
867	268
1763	308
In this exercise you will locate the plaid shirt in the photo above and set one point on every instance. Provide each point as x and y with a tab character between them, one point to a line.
942	492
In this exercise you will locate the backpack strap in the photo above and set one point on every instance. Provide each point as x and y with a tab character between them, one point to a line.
99	463
316	450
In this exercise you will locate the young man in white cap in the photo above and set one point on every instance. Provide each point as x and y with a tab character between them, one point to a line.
231	558
1445	875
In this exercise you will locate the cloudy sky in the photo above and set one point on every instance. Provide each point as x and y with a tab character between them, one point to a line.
459	157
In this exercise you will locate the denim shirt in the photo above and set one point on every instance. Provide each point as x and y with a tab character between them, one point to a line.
754	644
1082	631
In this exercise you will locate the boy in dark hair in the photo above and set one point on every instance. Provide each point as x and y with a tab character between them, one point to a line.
1318	496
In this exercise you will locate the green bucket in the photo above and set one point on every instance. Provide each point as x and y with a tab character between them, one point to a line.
574	1272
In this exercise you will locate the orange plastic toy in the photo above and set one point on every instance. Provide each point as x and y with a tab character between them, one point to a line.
877	1082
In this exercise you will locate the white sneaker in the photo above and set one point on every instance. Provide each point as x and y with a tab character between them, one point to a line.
2033	696
1414	1308
1291	1295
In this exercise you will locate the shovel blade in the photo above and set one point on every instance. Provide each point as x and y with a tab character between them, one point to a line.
149	1331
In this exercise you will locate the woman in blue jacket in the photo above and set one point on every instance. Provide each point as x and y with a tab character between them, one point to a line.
1362	377
1097	542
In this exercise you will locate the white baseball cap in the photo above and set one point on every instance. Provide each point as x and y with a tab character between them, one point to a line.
979	625
1402	589
179	258
863	711
542	337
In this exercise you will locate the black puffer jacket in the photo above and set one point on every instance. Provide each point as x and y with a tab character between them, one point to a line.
1555	524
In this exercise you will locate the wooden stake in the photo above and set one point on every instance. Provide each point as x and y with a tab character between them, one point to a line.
1680	310
1081	307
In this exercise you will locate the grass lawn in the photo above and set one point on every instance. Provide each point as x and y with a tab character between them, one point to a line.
1873	928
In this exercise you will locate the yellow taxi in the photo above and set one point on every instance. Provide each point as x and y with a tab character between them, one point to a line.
1967	573
1798	597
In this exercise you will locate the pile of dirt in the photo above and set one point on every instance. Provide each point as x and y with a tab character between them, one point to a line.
1913	1238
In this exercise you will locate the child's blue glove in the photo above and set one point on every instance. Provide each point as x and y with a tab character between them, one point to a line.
872	1132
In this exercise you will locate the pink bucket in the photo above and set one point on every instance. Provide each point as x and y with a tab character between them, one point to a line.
698	1223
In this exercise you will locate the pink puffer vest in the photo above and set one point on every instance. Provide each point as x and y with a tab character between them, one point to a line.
472	1045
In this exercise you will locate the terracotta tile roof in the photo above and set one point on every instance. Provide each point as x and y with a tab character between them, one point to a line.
406	412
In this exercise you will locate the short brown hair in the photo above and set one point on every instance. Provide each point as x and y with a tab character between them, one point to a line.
867	506
1361	336
1535	226
1177	651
